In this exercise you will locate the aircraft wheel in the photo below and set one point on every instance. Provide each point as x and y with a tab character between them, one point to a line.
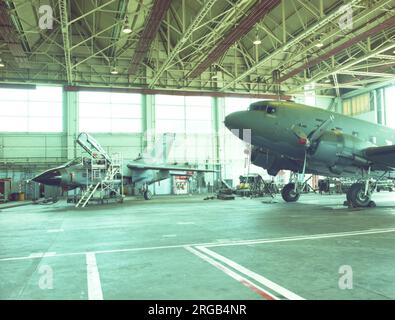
147	195
346	203
348	195
357	195
288	193
372	204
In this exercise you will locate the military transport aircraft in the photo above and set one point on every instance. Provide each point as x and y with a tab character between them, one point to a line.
146	169
306	140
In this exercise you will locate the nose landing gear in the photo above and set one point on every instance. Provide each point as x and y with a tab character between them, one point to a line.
289	193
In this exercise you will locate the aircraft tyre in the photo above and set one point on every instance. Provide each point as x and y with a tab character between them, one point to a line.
147	195
288	193
356	196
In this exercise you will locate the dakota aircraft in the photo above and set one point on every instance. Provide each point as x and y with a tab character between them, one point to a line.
306	140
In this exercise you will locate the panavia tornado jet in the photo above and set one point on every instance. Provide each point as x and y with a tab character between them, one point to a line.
88	171
306	140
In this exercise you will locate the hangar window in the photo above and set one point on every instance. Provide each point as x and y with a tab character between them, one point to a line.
309	94
181	114
31	110
190	118
109	112
357	105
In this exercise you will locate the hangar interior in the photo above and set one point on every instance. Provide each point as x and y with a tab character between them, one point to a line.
130	72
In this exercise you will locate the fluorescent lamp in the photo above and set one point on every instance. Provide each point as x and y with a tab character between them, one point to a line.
126	28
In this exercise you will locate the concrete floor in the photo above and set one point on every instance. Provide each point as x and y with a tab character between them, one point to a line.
187	248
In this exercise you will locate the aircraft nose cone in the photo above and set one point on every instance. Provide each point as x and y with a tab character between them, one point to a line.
236	120
52	177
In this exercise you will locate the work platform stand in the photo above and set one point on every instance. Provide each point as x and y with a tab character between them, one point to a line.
104	179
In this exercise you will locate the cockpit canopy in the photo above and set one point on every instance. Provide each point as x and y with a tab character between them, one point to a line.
73	162
262	106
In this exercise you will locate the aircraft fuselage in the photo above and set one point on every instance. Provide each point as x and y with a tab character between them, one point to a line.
337	153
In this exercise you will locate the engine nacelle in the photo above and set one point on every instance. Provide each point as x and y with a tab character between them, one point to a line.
338	151
328	148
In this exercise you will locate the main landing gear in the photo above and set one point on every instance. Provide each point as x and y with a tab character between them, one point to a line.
358	198
360	193
146	193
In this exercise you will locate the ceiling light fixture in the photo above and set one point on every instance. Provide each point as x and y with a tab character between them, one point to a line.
257	41
114	71
126	28
2	65
319	44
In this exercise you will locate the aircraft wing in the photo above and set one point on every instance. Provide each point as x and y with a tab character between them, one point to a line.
381	155
148	166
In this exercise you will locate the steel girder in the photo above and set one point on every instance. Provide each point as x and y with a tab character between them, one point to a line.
150	30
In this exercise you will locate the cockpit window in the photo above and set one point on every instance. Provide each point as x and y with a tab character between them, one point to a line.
262	107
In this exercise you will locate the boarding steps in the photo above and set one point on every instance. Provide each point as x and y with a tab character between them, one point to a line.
86	195
107	182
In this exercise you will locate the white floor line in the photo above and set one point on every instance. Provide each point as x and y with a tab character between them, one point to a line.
42	255
93	277
55	230
234	275
257	277
307	237
219	243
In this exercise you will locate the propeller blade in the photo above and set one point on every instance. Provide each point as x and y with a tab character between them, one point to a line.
317	133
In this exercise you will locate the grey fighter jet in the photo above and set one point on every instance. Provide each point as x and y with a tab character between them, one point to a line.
306	140
146	169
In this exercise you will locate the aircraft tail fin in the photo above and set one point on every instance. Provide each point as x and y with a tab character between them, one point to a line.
160	150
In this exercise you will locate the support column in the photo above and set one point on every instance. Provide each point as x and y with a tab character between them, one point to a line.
218	114
70	124
380	103
148	112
